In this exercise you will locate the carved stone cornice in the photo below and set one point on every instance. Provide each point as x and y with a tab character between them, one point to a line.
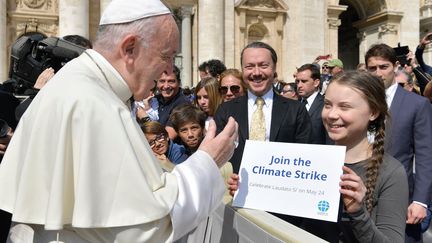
333	23
268	6
393	17
33	25
333	11
261	3
387	29
35	4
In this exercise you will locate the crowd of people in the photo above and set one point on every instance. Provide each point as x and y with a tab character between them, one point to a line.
114	149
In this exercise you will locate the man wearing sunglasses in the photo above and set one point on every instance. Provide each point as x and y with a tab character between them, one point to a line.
285	120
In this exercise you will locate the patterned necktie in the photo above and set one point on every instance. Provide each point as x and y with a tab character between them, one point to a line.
258	126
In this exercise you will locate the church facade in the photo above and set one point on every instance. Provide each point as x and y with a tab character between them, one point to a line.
299	31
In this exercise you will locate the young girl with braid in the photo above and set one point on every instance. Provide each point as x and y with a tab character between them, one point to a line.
374	185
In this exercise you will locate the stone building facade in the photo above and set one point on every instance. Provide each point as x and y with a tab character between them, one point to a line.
298	30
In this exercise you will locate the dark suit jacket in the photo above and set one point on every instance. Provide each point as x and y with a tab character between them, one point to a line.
409	133
290	122
319	134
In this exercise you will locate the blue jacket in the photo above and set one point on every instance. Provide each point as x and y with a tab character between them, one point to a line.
176	153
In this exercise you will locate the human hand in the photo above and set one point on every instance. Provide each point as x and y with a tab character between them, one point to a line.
427	39
140	112
43	78
160	156
4	142
233	183
412	60
146	102
323	57
416	213
352	189
220	147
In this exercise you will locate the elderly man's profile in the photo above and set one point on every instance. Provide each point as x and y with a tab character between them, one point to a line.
78	168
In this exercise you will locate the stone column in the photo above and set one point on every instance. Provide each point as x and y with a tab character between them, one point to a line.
74	17
186	45
210	30
333	12
103	4
3	45
229	34
425	24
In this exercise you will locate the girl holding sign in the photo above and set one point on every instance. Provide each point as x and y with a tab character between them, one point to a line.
374	186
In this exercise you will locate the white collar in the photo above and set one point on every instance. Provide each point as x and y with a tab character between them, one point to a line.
267	97
390	93
114	79
311	98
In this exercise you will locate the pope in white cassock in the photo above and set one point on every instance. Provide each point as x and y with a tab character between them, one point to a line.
78	166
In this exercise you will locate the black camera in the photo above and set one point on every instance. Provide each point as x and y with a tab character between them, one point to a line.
4	128
31	55
401	52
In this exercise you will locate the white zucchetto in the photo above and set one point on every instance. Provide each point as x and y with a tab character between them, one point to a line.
125	11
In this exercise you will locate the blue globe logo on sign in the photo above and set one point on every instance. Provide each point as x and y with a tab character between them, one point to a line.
323	206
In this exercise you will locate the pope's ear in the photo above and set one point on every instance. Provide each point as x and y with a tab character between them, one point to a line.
129	47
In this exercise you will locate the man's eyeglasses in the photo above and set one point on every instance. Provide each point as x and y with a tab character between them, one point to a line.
159	138
234	89
403	84
325	67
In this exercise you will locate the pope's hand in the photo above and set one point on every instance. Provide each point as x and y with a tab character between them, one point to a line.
220	147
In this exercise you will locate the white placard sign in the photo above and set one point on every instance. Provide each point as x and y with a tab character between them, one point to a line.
291	178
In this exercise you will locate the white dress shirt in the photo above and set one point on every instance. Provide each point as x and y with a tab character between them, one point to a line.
310	100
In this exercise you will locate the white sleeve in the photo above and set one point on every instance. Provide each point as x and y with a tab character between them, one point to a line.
201	188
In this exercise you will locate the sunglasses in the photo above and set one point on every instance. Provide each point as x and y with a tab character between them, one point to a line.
159	138
286	91
325	67
234	89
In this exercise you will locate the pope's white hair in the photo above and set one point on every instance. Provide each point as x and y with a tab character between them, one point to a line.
108	36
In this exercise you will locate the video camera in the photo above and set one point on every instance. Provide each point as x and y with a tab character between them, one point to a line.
31	55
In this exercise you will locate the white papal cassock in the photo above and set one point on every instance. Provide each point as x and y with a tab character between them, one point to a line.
79	165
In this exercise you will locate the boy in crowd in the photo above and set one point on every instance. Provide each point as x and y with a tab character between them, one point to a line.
189	123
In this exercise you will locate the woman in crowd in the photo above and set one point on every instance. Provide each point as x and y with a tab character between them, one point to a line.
374	186
168	152
207	97
231	84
